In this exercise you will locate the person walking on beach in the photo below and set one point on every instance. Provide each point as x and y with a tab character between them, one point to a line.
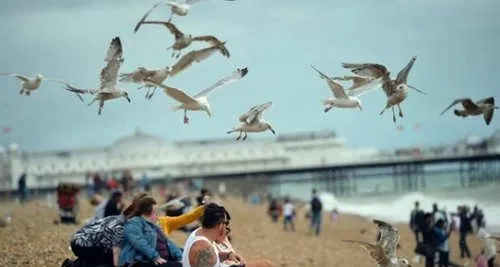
21	188
416	219
316	209
288	215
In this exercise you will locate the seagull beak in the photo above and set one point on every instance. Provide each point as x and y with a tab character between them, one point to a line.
418	90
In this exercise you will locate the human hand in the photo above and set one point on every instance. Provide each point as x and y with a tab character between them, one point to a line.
159	261
236	257
206	200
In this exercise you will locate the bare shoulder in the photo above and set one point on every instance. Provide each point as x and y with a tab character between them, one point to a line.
202	254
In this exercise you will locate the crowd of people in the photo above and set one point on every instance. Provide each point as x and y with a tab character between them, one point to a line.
138	235
287	211
433	229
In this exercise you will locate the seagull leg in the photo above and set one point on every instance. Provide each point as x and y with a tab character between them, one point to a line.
28	93
186	119
393	115
245	136
101	106
400	111
152	93
239	136
21	92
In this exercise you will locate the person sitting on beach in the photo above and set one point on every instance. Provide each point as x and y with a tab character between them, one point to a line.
144	243
171	223
67	201
199	249
227	247
98	242
114	205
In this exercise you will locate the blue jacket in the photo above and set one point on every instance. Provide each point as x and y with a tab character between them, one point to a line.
139	241
441	239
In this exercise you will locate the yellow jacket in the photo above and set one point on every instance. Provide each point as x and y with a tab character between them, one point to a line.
168	224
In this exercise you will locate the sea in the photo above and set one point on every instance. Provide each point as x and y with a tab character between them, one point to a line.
396	208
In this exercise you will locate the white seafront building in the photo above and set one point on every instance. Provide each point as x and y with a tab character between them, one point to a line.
144	153
159	158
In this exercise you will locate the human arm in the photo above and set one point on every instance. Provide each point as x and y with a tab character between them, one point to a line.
135	236
202	254
169	224
116	255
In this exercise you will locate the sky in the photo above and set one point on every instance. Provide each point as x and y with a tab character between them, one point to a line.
456	43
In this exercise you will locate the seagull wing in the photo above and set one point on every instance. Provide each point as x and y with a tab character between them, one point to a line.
367	69
208	38
403	74
170	26
114	58
19	76
336	88
254	113
360	89
375	252
188	59
190	2
237	75
141	21
387	238
137	76
175	93
489	100
456	101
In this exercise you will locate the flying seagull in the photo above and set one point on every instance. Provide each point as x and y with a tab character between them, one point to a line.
30	84
252	121
395	90
109	74
184	40
384	251
200	100
140	75
197	56
175	8
485	107
343	99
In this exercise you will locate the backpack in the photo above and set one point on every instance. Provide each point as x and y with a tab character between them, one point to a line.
316	204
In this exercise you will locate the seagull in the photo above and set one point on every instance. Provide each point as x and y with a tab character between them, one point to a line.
184	40
484	107
109	74
197	56
175	8
384	251
343	99
200	100
396	90
30	84
141	74
252	121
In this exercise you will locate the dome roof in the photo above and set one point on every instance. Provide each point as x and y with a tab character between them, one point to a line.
140	141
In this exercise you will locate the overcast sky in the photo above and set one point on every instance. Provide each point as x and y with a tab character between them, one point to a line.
456	43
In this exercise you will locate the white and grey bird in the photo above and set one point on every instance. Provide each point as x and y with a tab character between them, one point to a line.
108	78
184	40
30	84
395	90
200	100
197	56
180	9
485	107
140	75
383	252
347	99
252	121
